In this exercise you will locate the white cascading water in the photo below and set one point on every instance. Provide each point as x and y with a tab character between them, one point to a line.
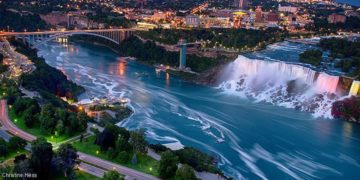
279	83
326	83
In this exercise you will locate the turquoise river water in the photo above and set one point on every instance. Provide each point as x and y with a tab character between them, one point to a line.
251	139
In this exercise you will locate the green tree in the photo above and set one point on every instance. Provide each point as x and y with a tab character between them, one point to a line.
312	56
123	156
73	123
47	119
41	157
3	68
59	127
23	167
68	156
168	165
16	143
3	147
83	119
123	145
137	140
106	139
61	115
185	172
123	133
112	175
198	160
21	104
31	115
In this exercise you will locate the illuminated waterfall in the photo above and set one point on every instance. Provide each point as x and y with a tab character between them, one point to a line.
326	83
274	72
355	87
283	84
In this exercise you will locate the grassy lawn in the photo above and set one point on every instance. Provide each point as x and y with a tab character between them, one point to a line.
36	131
144	163
80	175
12	155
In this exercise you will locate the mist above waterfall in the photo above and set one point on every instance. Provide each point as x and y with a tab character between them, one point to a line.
283	84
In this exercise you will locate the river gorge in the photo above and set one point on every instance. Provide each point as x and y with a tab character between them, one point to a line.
249	122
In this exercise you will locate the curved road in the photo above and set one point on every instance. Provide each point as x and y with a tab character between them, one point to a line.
91	160
10	126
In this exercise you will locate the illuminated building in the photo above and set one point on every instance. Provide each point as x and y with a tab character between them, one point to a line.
258	16
336	18
192	21
242	4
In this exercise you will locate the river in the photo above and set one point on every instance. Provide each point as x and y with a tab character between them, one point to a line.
251	139
351	2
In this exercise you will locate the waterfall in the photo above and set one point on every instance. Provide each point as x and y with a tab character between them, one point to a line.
283	84
326	83
269	71
355	87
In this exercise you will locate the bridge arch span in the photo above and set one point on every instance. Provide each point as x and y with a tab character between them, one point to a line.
61	35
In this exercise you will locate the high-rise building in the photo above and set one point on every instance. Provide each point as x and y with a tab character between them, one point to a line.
241	4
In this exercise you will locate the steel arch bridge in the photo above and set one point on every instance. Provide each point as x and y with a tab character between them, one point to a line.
35	39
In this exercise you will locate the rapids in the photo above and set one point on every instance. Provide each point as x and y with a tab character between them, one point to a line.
251	139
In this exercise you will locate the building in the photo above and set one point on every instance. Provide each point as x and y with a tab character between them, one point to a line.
212	22
146	25
308	1
241	4
222	13
291	19
238	19
258	14
192	21
290	9
158	16
272	17
336	18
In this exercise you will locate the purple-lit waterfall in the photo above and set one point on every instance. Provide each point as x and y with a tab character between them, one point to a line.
283	84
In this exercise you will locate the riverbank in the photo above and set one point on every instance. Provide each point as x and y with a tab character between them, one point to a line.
219	123
214	48
150	54
140	163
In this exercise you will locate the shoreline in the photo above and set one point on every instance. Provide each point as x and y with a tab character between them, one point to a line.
205	78
218	170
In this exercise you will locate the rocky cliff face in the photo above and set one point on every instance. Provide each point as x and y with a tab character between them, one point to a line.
347	109
209	77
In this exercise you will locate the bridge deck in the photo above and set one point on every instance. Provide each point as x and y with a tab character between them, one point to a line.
64	31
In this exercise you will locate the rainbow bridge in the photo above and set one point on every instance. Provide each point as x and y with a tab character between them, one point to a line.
35	39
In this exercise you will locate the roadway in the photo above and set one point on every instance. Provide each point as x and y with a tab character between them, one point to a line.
112	166
90	164
10	126
65	31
